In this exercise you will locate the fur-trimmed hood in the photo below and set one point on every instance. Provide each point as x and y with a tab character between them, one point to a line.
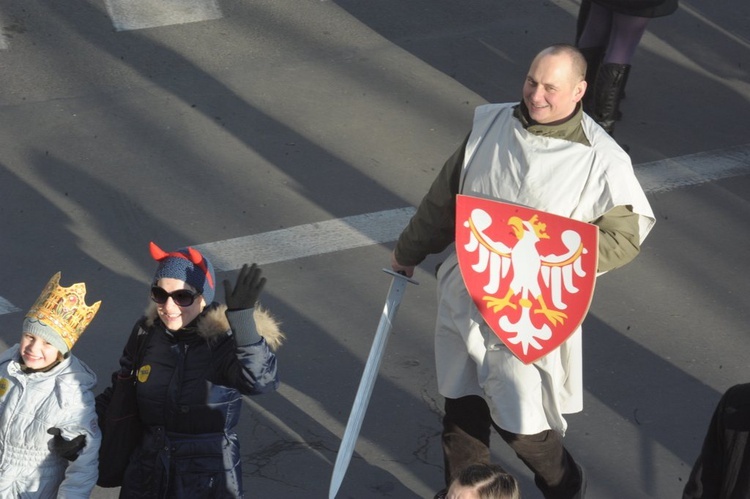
213	322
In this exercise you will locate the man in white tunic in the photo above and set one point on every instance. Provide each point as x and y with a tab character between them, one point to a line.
546	154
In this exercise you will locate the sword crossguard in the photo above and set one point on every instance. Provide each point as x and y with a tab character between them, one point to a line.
400	275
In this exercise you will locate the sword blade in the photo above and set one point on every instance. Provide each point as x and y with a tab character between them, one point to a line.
367	382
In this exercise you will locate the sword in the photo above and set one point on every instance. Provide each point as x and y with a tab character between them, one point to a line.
366	384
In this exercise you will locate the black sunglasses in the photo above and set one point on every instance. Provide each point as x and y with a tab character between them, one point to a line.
181	297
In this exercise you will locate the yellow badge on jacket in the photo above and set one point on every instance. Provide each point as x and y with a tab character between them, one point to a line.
143	373
4	384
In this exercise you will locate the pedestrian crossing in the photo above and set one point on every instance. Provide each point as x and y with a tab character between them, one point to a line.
3	36
129	15
385	226
7	307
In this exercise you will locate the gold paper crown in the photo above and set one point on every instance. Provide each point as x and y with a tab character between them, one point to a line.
64	309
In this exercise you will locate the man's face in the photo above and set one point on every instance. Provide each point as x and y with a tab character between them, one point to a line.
551	91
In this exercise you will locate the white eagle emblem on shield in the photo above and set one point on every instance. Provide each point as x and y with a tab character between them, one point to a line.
530	273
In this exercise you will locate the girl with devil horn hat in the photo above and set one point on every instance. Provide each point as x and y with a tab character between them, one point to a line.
193	359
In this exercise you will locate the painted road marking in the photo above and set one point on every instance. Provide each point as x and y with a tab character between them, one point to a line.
140	14
385	226
3	36
308	240
693	169
7	307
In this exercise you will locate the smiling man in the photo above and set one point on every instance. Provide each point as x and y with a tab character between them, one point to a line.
546	154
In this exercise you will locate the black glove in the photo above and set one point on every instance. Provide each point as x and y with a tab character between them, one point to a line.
246	290
67	449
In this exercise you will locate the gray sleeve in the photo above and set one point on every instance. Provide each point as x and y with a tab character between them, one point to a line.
243	326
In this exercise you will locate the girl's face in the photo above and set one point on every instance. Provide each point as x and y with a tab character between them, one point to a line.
172	315
37	353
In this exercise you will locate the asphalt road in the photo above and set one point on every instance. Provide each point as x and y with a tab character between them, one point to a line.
286	113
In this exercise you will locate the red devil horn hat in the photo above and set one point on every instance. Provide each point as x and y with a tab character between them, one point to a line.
194	256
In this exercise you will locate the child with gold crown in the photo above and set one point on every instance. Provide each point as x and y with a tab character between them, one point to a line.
49	436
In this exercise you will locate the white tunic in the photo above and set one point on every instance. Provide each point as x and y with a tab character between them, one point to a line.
504	161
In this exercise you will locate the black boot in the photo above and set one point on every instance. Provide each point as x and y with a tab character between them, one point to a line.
622	95
610	80
624	84
593	56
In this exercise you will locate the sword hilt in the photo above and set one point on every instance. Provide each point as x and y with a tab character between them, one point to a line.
401	275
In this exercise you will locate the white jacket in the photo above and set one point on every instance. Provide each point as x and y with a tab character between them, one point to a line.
32	403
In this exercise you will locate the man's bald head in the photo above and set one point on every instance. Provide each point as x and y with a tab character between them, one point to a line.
577	61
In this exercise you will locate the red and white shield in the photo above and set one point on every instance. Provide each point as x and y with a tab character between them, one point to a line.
530	273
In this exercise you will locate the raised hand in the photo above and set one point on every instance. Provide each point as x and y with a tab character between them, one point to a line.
246	290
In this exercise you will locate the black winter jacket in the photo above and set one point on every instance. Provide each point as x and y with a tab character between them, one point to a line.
190	387
722	470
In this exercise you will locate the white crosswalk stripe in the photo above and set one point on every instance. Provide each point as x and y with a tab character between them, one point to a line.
693	169
3	36
385	226
7	307
140	14
308	240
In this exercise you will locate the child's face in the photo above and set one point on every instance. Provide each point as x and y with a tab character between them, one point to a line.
37	353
